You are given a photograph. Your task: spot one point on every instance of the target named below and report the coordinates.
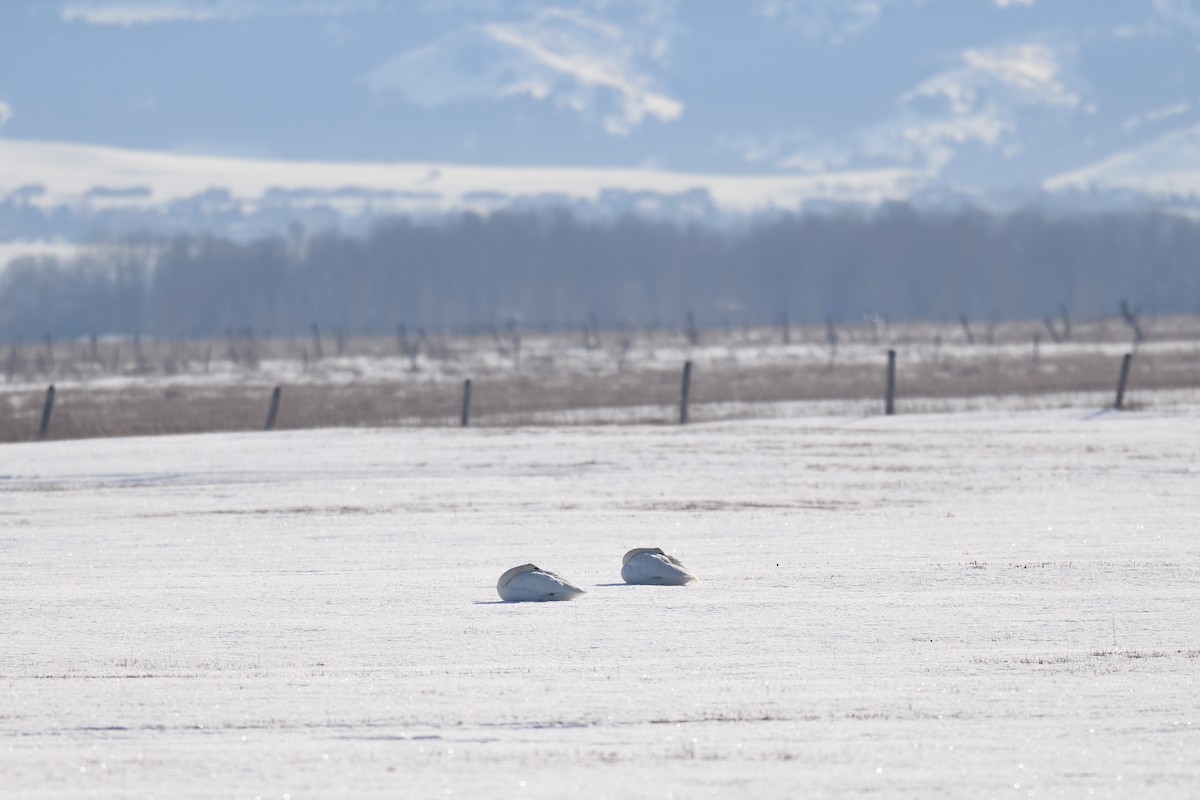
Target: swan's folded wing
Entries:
(657, 569)
(537, 585)
(637, 551)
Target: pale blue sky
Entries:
(978, 93)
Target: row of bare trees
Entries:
(548, 271)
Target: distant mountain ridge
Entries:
(335, 113)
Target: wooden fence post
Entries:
(1121, 383)
(1130, 317)
(1054, 335)
(466, 403)
(231, 348)
(47, 411)
(318, 351)
(684, 392)
(831, 339)
(890, 402)
(966, 326)
(693, 335)
(274, 411)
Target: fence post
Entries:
(1121, 383)
(274, 411)
(1054, 335)
(684, 392)
(466, 403)
(47, 411)
(966, 326)
(318, 351)
(890, 403)
(693, 335)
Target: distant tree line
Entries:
(553, 271)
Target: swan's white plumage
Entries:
(650, 565)
(530, 583)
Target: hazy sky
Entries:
(978, 92)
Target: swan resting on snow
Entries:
(650, 565)
(530, 583)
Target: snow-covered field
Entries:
(985, 604)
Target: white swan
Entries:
(530, 583)
(650, 565)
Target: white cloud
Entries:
(1019, 75)
(815, 160)
(561, 51)
(933, 143)
(130, 15)
(791, 151)
(1129, 31)
(584, 64)
(1031, 68)
(1170, 16)
(156, 12)
(1014, 3)
(6, 113)
(979, 102)
(1130, 124)
(1165, 167)
(759, 150)
(1179, 12)
(832, 21)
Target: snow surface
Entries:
(984, 604)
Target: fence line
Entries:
(684, 410)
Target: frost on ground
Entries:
(984, 604)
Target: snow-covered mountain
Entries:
(243, 116)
